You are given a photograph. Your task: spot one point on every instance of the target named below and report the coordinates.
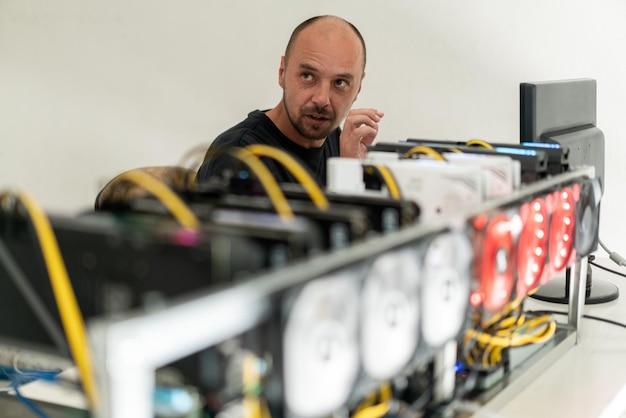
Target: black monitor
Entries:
(563, 112)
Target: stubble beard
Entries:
(300, 123)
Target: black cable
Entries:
(420, 403)
(425, 402)
(31, 296)
(596, 318)
(607, 269)
(608, 321)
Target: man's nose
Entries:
(321, 95)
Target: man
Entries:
(320, 74)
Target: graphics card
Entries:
(438, 188)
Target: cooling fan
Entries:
(320, 345)
(445, 287)
(495, 243)
(562, 209)
(532, 246)
(390, 315)
(588, 216)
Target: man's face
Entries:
(321, 79)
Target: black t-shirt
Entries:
(257, 128)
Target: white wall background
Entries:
(90, 88)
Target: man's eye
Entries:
(341, 84)
(307, 76)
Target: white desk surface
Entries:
(588, 380)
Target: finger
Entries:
(374, 114)
(366, 133)
(367, 140)
(359, 121)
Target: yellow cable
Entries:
(304, 178)
(507, 309)
(265, 409)
(385, 392)
(368, 403)
(508, 328)
(67, 305)
(531, 292)
(263, 174)
(375, 411)
(493, 354)
(486, 357)
(269, 183)
(479, 142)
(250, 382)
(511, 323)
(516, 338)
(250, 377)
(254, 405)
(170, 199)
(390, 181)
(421, 149)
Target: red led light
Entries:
(476, 298)
(562, 228)
(532, 249)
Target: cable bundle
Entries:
(483, 345)
(18, 377)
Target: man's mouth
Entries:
(318, 118)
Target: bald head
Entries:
(329, 27)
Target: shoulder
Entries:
(250, 130)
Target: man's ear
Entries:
(281, 72)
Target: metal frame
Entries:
(129, 348)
